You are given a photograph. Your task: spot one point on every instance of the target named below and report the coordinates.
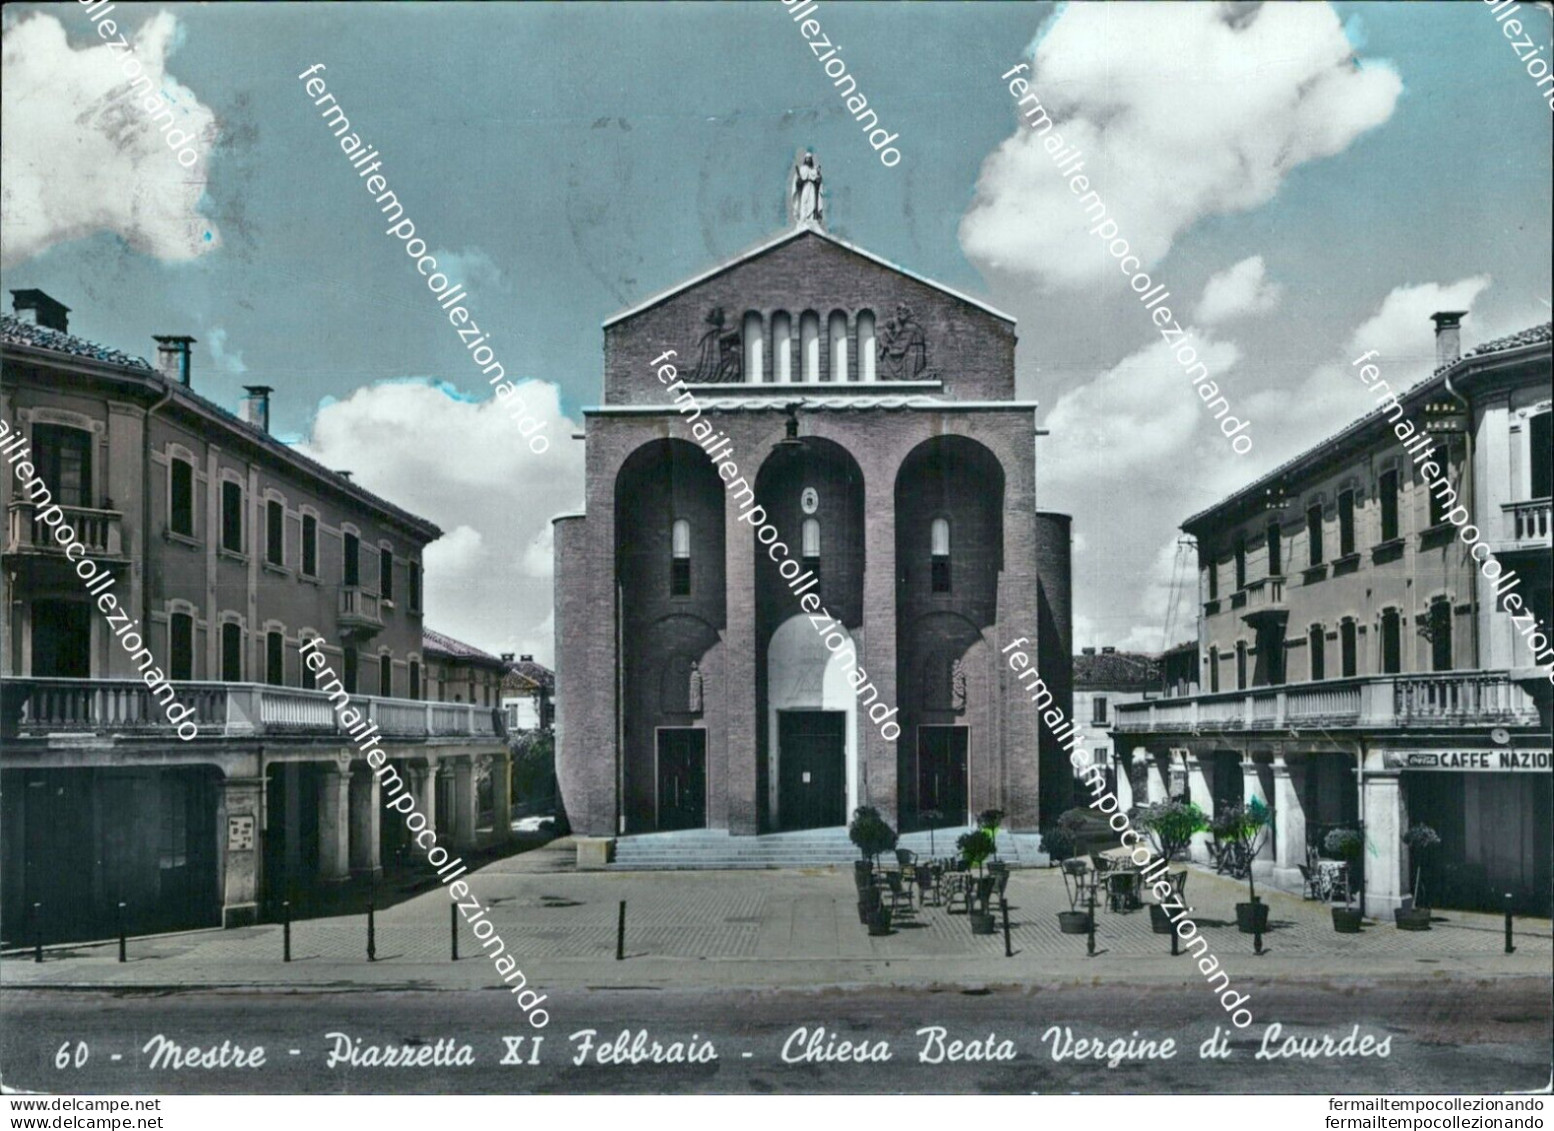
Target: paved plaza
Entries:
(776, 928)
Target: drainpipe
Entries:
(1359, 778)
(620, 713)
(145, 509)
(1467, 479)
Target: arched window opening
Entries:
(810, 545)
(809, 346)
(755, 349)
(836, 330)
(939, 547)
(866, 345)
(680, 559)
(782, 347)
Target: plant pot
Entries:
(1159, 919)
(1346, 920)
(1412, 918)
(862, 872)
(879, 921)
(1252, 918)
(981, 923)
(868, 902)
(1074, 922)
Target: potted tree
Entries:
(1419, 838)
(975, 847)
(1346, 845)
(1171, 826)
(1244, 830)
(1074, 921)
(870, 832)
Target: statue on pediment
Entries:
(806, 202)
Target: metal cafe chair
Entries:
(899, 892)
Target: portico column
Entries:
(334, 822)
(877, 650)
(502, 796)
(366, 815)
(240, 848)
(1257, 782)
(463, 804)
(739, 662)
(1289, 823)
(1381, 807)
(423, 783)
(1199, 793)
(1156, 784)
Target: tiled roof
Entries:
(1115, 669)
(16, 332)
(1531, 336)
(537, 674)
(434, 643)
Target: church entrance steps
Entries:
(709, 849)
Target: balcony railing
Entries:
(100, 532)
(1438, 699)
(34, 708)
(1526, 525)
(360, 609)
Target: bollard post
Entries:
(453, 930)
(1008, 950)
(372, 934)
(285, 930)
(120, 916)
(1090, 941)
(620, 934)
(1508, 947)
(1174, 940)
(37, 932)
(1257, 930)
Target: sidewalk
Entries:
(795, 929)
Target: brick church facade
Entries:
(871, 413)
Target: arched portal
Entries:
(812, 726)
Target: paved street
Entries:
(1444, 1037)
(743, 959)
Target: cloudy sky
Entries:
(1310, 181)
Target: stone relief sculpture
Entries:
(693, 690)
(718, 353)
(807, 204)
(957, 686)
(903, 348)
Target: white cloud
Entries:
(230, 361)
(1401, 329)
(1236, 291)
(463, 465)
(81, 154)
(1180, 111)
(472, 267)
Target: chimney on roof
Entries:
(507, 657)
(1108, 650)
(1448, 336)
(256, 406)
(343, 474)
(172, 356)
(1088, 651)
(526, 658)
(38, 308)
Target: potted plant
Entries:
(1057, 843)
(1346, 845)
(1419, 838)
(1171, 826)
(870, 832)
(1074, 921)
(975, 847)
(1245, 829)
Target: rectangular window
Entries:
(415, 679)
(1346, 524)
(1388, 490)
(1349, 648)
(1275, 565)
(1240, 562)
(1318, 649)
(679, 577)
(1098, 710)
(414, 573)
(1391, 642)
(941, 573)
(232, 652)
(352, 574)
(386, 676)
(348, 664)
(386, 574)
(180, 515)
(305, 675)
(275, 658)
(309, 546)
(1213, 670)
(1440, 635)
(1213, 580)
(63, 458)
(1437, 505)
(180, 647)
(1541, 447)
(1240, 666)
(232, 516)
(1314, 533)
(275, 532)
